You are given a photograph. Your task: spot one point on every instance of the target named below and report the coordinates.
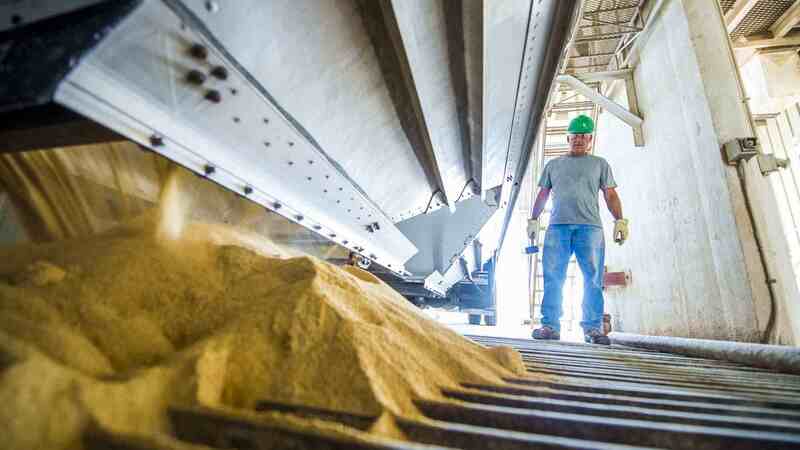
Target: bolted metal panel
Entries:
(241, 139)
(505, 24)
(443, 236)
(317, 60)
(546, 38)
(424, 29)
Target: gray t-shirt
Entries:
(575, 182)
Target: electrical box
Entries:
(741, 149)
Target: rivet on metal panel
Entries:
(267, 144)
(16, 19)
(310, 161)
(332, 235)
(372, 256)
(308, 178)
(298, 217)
(196, 77)
(213, 96)
(344, 242)
(317, 227)
(209, 169)
(212, 6)
(248, 190)
(236, 120)
(276, 205)
(291, 144)
(234, 91)
(370, 229)
(198, 51)
(291, 163)
(156, 140)
(324, 191)
(219, 72)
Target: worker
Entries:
(575, 227)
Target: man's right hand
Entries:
(533, 229)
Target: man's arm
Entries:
(541, 200)
(613, 202)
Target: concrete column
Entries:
(695, 266)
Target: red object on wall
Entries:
(615, 279)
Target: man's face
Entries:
(579, 144)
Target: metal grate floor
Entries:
(578, 396)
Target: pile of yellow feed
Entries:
(115, 328)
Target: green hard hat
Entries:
(582, 124)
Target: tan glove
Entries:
(533, 229)
(621, 231)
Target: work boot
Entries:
(594, 336)
(546, 333)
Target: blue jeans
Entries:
(588, 244)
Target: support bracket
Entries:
(632, 117)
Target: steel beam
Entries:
(606, 429)
(616, 387)
(477, 437)
(382, 25)
(594, 77)
(791, 39)
(610, 10)
(435, 72)
(787, 21)
(634, 120)
(738, 12)
(596, 55)
(467, 46)
(631, 399)
(544, 51)
(627, 412)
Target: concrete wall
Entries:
(772, 83)
(695, 267)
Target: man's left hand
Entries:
(621, 231)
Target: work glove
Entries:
(621, 231)
(533, 229)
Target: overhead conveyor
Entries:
(369, 123)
